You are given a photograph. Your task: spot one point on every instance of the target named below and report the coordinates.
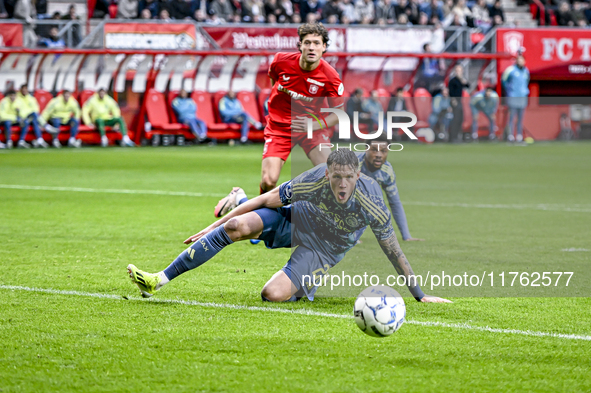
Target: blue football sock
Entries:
(240, 202)
(199, 252)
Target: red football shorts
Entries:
(280, 143)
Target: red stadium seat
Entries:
(410, 106)
(422, 104)
(384, 96)
(249, 103)
(159, 118)
(43, 97)
(85, 95)
(206, 112)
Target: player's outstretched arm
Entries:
(392, 249)
(270, 199)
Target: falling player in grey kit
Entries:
(322, 213)
(374, 164)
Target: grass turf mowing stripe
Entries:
(299, 312)
(542, 207)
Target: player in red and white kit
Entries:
(300, 80)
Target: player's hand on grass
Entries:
(414, 239)
(434, 299)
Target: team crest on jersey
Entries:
(351, 221)
(313, 89)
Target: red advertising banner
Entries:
(11, 35)
(149, 36)
(271, 38)
(553, 53)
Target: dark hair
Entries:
(313, 28)
(10, 91)
(64, 91)
(399, 90)
(101, 89)
(343, 157)
(24, 85)
(425, 47)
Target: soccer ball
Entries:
(379, 311)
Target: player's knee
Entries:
(274, 294)
(268, 182)
(232, 225)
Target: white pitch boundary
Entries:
(296, 311)
(110, 190)
(543, 207)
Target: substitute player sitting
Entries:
(299, 80)
(323, 212)
(374, 164)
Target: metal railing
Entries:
(71, 31)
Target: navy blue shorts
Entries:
(306, 266)
(276, 226)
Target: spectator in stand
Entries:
(356, 104)
(101, 110)
(442, 112)
(487, 102)
(579, 15)
(460, 15)
(447, 6)
(9, 116)
(23, 9)
(431, 72)
(63, 110)
(423, 19)
(516, 81)
(223, 9)
(481, 16)
(272, 7)
(456, 87)
(180, 9)
(4, 13)
(152, 5)
(72, 15)
(564, 16)
(54, 41)
(309, 7)
(231, 111)
(101, 9)
(386, 10)
(146, 14)
(366, 10)
(185, 109)
(397, 102)
(412, 11)
(253, 11)
(432, 8)
(164, 15)
(296, 18)
(349, 14)
(403, 20)
(28, 111)
(127, 9)
(497, 14)
(331, 8)
(374, 107)
(287, 7)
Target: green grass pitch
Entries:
(76, 232)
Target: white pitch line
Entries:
(110, 191)
(575, 249)
(543, 207)
(297, 311)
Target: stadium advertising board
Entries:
(11, 35)
(150, 36)
(550, 53)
